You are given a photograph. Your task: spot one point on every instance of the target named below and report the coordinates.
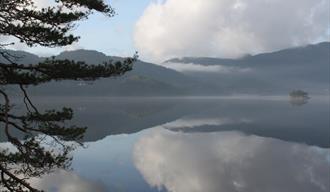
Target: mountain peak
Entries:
(81, 52)
(88, 56)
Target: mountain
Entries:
(312, 52)
(305, 68)
(20, 57)
(145, 79)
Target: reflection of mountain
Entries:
(275, 119)
(111, 116)
(229, 161)
(278, 119)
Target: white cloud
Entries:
(231, 162)
(228, 28)
(192, 67)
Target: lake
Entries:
(209, 144)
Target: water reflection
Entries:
(298, 101)
(189, 122)
(267, 118)
(63, 181)
(43, 145)
(23, 161)
(191, 145)
(229, 161)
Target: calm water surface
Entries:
(197, 144)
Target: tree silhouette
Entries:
(299, 94)
(298, 97)
(48, 140)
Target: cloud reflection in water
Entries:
(189, 122)
(63, 181)
(229, 161)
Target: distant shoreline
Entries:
(78, 98)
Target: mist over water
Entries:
(220, 96)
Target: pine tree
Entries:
(48, 27)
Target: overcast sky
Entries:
(162, 29)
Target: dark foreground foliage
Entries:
(48, 139)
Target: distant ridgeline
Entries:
(306, 68)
